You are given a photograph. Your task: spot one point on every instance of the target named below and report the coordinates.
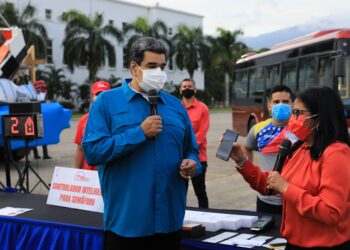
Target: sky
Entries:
(256, 17)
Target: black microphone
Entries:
(281, 158)
(153, 100)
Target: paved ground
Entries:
(226, 188)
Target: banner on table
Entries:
(76, 188)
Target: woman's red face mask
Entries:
(296, 128)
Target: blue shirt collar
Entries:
(130, 93)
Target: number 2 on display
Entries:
(14, 125)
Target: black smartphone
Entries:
(226, 145)
(263, 223)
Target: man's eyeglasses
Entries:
(297, 112)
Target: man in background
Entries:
(261, 138)
(144, 158)
(80, 161)
(199, 116)
(41, 91)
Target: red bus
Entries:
(317, 59)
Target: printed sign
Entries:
(76, 188)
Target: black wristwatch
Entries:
(240, 164)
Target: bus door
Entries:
(256, 95)
(327, 76)
(240, 100)
(248, 97)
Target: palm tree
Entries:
(114, 81)
(55, 79)
(68, 89)
(34, 33)
(140, 27)
(189, 48)
(225, 51)
(261, 50)
(86, 42)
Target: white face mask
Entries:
(152, 79)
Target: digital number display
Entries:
(22, 125)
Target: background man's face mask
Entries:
(281, 112)
(152, 79)
(187, 93)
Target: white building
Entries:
(116, 12)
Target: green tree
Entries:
(34, 33)
(141, 27)
(84, 97)
(86, 42)
(214, 83)
(55, 80)
(225, 51)
(114, 81)
(68, 87)
(261, 50)
(189, 48)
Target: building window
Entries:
(124, 25)
(48, 13)
(49, 51)
(125, 58)
(171, 63)
(111, 22)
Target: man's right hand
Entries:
(152, 125)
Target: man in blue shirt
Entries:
(143, 160)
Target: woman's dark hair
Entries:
(326, 103)
(143, 44)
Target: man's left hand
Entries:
(188, 168)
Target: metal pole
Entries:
(7, 162)
(4, 21)
(27, 164)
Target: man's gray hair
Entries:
(188, 80)
(143, 44)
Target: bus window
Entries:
(273, 76)
(344, 86)
(241, 84)
(306, 72)
(289, 74)
(256, 83)
(344, 91)
(325, 72)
